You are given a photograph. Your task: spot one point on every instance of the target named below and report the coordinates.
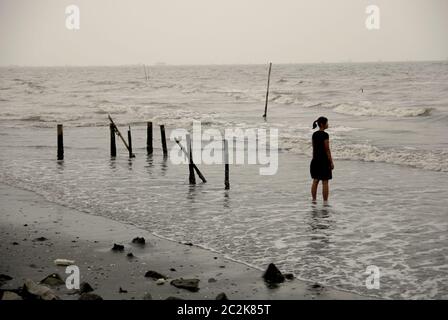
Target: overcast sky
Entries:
(33, 32)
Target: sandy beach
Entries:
(27, 218)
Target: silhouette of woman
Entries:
(322, 163)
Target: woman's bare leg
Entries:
(325, 190)
(314, 189)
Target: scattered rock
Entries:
(121, 290)
(155, 275)
(9, 295)
(41, 239)
(53, 279)
(173, 298)
(188, 244)
(25, 225)
(139, 240)
(211, 280)
(85, 287)
(273, 275)
(316, 286)
(15, 243)
(172, 269)
(118, 248)
(36, 291)
(4, 277)
(188, 284)
(221, 296)
(147, 296)
(160, 281)
(222, 267)
(130, 255)
(289, 276)
(90, 296)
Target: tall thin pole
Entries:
(131, 155)
(163, 138)
(192, 177)
(60, 142)
(267, 92)
(113, 146)
(149, 138)
(226, 165)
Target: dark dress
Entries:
(320, 167)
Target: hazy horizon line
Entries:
(163, 64)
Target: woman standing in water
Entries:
(322, 163)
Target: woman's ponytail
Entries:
(319, 122)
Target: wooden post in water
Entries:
(113, 146)
(267, 92)
(131, 155)
(201, 176)
(163, 138)
(192, 177)
(119, 133)
(60, 142)
(226, 164)
(149, 137)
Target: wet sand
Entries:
(88, 239)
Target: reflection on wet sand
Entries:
(320, 225)
(164, 166)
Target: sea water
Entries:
(387, 132)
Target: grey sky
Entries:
(33, 32)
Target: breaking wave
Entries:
(368, 109)
(434, 160)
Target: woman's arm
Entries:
(327, 150)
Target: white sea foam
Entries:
(368, 109)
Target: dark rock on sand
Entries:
(211, 280)
(130, 255)
(41, 239)
(221, 296)
(4, 278)
(53, 279)
(316, 286)
(90, 296)
(118, 248)
(121, 290)
(155, 275)
(32, 290)
(85, 287)
(147, 296)
(172, 269)
(188, 284)
(289, 276)
(139, 240)
(173, 298)
(15, 243)
(273, 275)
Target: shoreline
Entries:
(70, 234)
